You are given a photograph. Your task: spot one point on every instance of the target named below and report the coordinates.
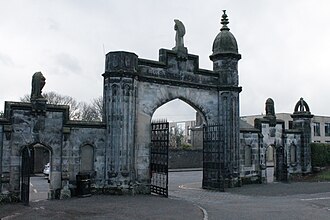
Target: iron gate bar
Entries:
(25, 184)
(159, 158)
(213, 158)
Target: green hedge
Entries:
(320, 154)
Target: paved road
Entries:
(38, 188)
(266, 201)
(187, 201)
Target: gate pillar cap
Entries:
(225, 43)
(121, 61)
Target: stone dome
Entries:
(225, 41)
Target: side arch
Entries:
(28, 161)
(36, 157)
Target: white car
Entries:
(46, 170)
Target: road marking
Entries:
(184, 186)
(206, 216)
(11, 216)
(314, 199)
(31, 184)
(35, 191)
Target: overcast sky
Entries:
(284, 44)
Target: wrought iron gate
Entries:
(213, 159)
(281, 171)
(25, 174)
(159, 158)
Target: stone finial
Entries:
(225, 42)
(301, 110)
(270, 112)
(38, 82)
(301, 107)
(224, 21)
(270, 108)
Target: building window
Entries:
(248, 156)
(290, 124)
(327, 129)
(316, 129)
(293, 153)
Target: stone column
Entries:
(225, 65)
(302, 121)
(119, 100)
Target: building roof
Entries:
(244, 126)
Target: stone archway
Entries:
(32, 158)
(41, 155)
(134, 88)
(165, 148)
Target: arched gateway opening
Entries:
(177, 143)
(35, 172)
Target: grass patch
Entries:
(323, 175)
(317, 176)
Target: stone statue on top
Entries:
(38, 82)
(179, 44)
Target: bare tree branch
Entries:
(78, 110)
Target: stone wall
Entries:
(293, 139)
(197, 137)
(179, 158)
(51, 131)
(76, 137)
(250, 166)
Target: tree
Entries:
(78, 110)
(97, 104)
(89, 113)
(176, 137)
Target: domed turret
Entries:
(225, 42)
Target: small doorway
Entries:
(35, 173)
(270, 163)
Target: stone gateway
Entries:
(115, 153)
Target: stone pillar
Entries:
(119, 100)
(302, 118)
(225, 65)
(1, 160)
(225, 59)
